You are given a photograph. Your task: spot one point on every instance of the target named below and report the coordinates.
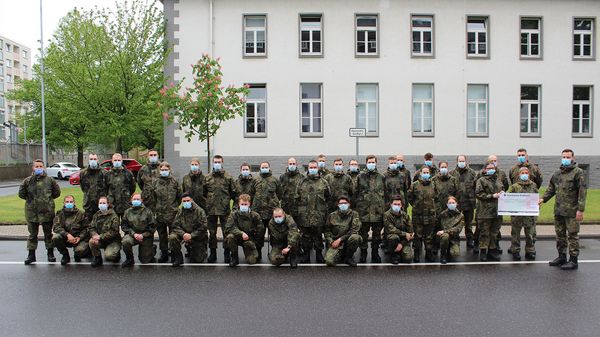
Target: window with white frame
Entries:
(583, 38)
(2, 102)
(530, 110)
(8, 63)
(311, 112)
(1, 85)
(25, 54)
(255, 35)
(582, 110)
(477, 110)
(9, 79)
(311, 34)
(256, 111)
(422, 35)
(422, 109)
(477, 36)
(367, 108)
(25, 68)
(531, 41)
(1, 70)
(9, 47)
(366, 35)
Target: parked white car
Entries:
(62, 170)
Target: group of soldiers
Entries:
(329, 211)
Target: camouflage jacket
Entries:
(146, 174)
(422, 197)
(568, 184)
(267, 191)
(289, 181)
(370, 199)
(192, 221)
(163, 196)
(433, 170)
(395, 184)
(194, 185)
(485, 188)
(220, 189)
(523, 187)
(39, 193)
(139, 220)
(397, 223)
(340, 225)
(465, 183)
(323, 172)
(245, 185)
(444, 186)
(501, 176)
(71, 222)
(106, 225)
(249, 223)
(407, 177)
(451, 222)
(285, 233)
(312, 196)
(92, 185)
(535, 174)
(119, 186)
(340, 184)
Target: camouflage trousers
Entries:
(60, 243)
(163, 229)
(375, 228)
(515, 236)
(347, 248)
(147, 249)
(260, 236)
(406, 254)
(34, 228)
(213, 222)
(311, 237)
(567, 235)
(468, 215)
(423, 226)
(449, 243)
(276, 257)
(198, 245)
(488, 232)
(112, 249)
(249, 247)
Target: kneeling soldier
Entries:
(342, 234)
(400, 231)
(283, 238)
(71, 230)
(451, 223)
(104, 233)
(191, 228)
(243, 225)
(139, 226)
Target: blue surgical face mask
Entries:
(153, 159)
(521, 159)
(264, 170)
(92, 163)
(69, 205)
(426, 176)
(524, 177)
(292, 168)
(353, 168)
(103, 207)
(187, 204)
(444, 171)
(393, 167)
(136, 203)
(371, 166)
(164, 174)
(461, 164)
(400, 164)
(338, 168)
(246, 173)
(117, 164)
(313, 171)
(565, 162)
(396, 208)
(38, 171)
(244, 208)
(194, 168)
(217, 167)
(490, 172)
(451, 207)
(428, 162)
(321, 164)
(343, 207)
(278, 219)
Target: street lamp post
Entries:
(44, 155)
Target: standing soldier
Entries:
(267, 192)
(71, 230)
(422, 197)
(220, 189)
(524, 185)
(149, 171)
(353, 170)
(245, 181)
(91, 181)
(487, 190)
(448, 231)
(190, 228)
(322, 163)
(339, 183)
(568, 184)
(400, 163)
(535, 174)
(104, 233)
(399, 231)
(139, 226)
(163, 195)
(312, 195)
(445, 185)
(283, 238)
(341, 234)
(193, 183)
(370, 203)
(242, 228)
(39, 192)
(119, 184)
(289, 181)
(395, 182)
(466, 178)
(427, 162)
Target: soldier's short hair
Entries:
(164, 164)
(428, 156)
(443, 162)
(392, 158)
(521, 150)
(38, 161)
(524, 168)
(117, 154)
(371, 156)
(461, 155)
(353, 160)
(195, 160)
(186, 195)
(136, 193)
(265, 162)
(312, 162)
(218, 156)
(152, 150)
(343, 197)
(321, 156)
(338, 160)
(103, 197)
(244, 164)
(568, 150)
(397, 197)
(451, 197)
(278, 210)
(69, 196)
(245, 197)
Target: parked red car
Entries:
(130, 164)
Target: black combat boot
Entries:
(516, 256)
(293, 259)
(395, 258)
(559, 261)
(77, 257)
(66, 258)
(227, 255)
(128, 261)
(319, 256)
(572, 264)
(493, 255)
(417, 257)
(97, 261)
(177, 259)
(234, 261)
(375, 258)
(483, 255)
(164, 256)
(259, 251)
(363, 256)
(212, 258)
(530, 256)
(51, 257)
(30, 257)
(188, 249)
(443, 257)
(349, 260)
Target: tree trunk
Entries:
(119, 145)
(207, 146)
(80, 155)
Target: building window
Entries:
(1, 87)
(9, 48)
(9, 79)
(583, 38)
(311, 35)
(422, 35)
(256, 111)
(531, 41)
(255, 35)
(8, 63)
(477, 37)
(477, 110)
(367, 108)
(25, 54)
(422, 109)
(25, 68)
(1, 70)
(2, 102)
(366, 35)
(311, 112)
(530, 110)
(582, 110)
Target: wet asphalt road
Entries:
(430, 300)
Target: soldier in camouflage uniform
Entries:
(399, 231)
(503, 179)
(444, 185)
(524, 185)
(370, 204)
(400, 164)
(245, 181)
(466, 178)
(427, 162)
(139, 225)
(422, 197)
(340, 184)
(488, 189)
(149, 171)
(119, 185)
(242, 228)
(267, 192)
(448, 231)
(193, 183)
(322, 163)
(39, 192)
(283, 238)
(312, 196)
(535, 175)
(568, 184)
(220, 189)
(289, 181)
(104, 233)
(353, 172)
(163, 195)
(342, 234)
(189, 227)
(71, 230)
(395, 182)
(91, 181)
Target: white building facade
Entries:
(15, 65)
(440, 76)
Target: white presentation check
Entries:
(519, 204)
